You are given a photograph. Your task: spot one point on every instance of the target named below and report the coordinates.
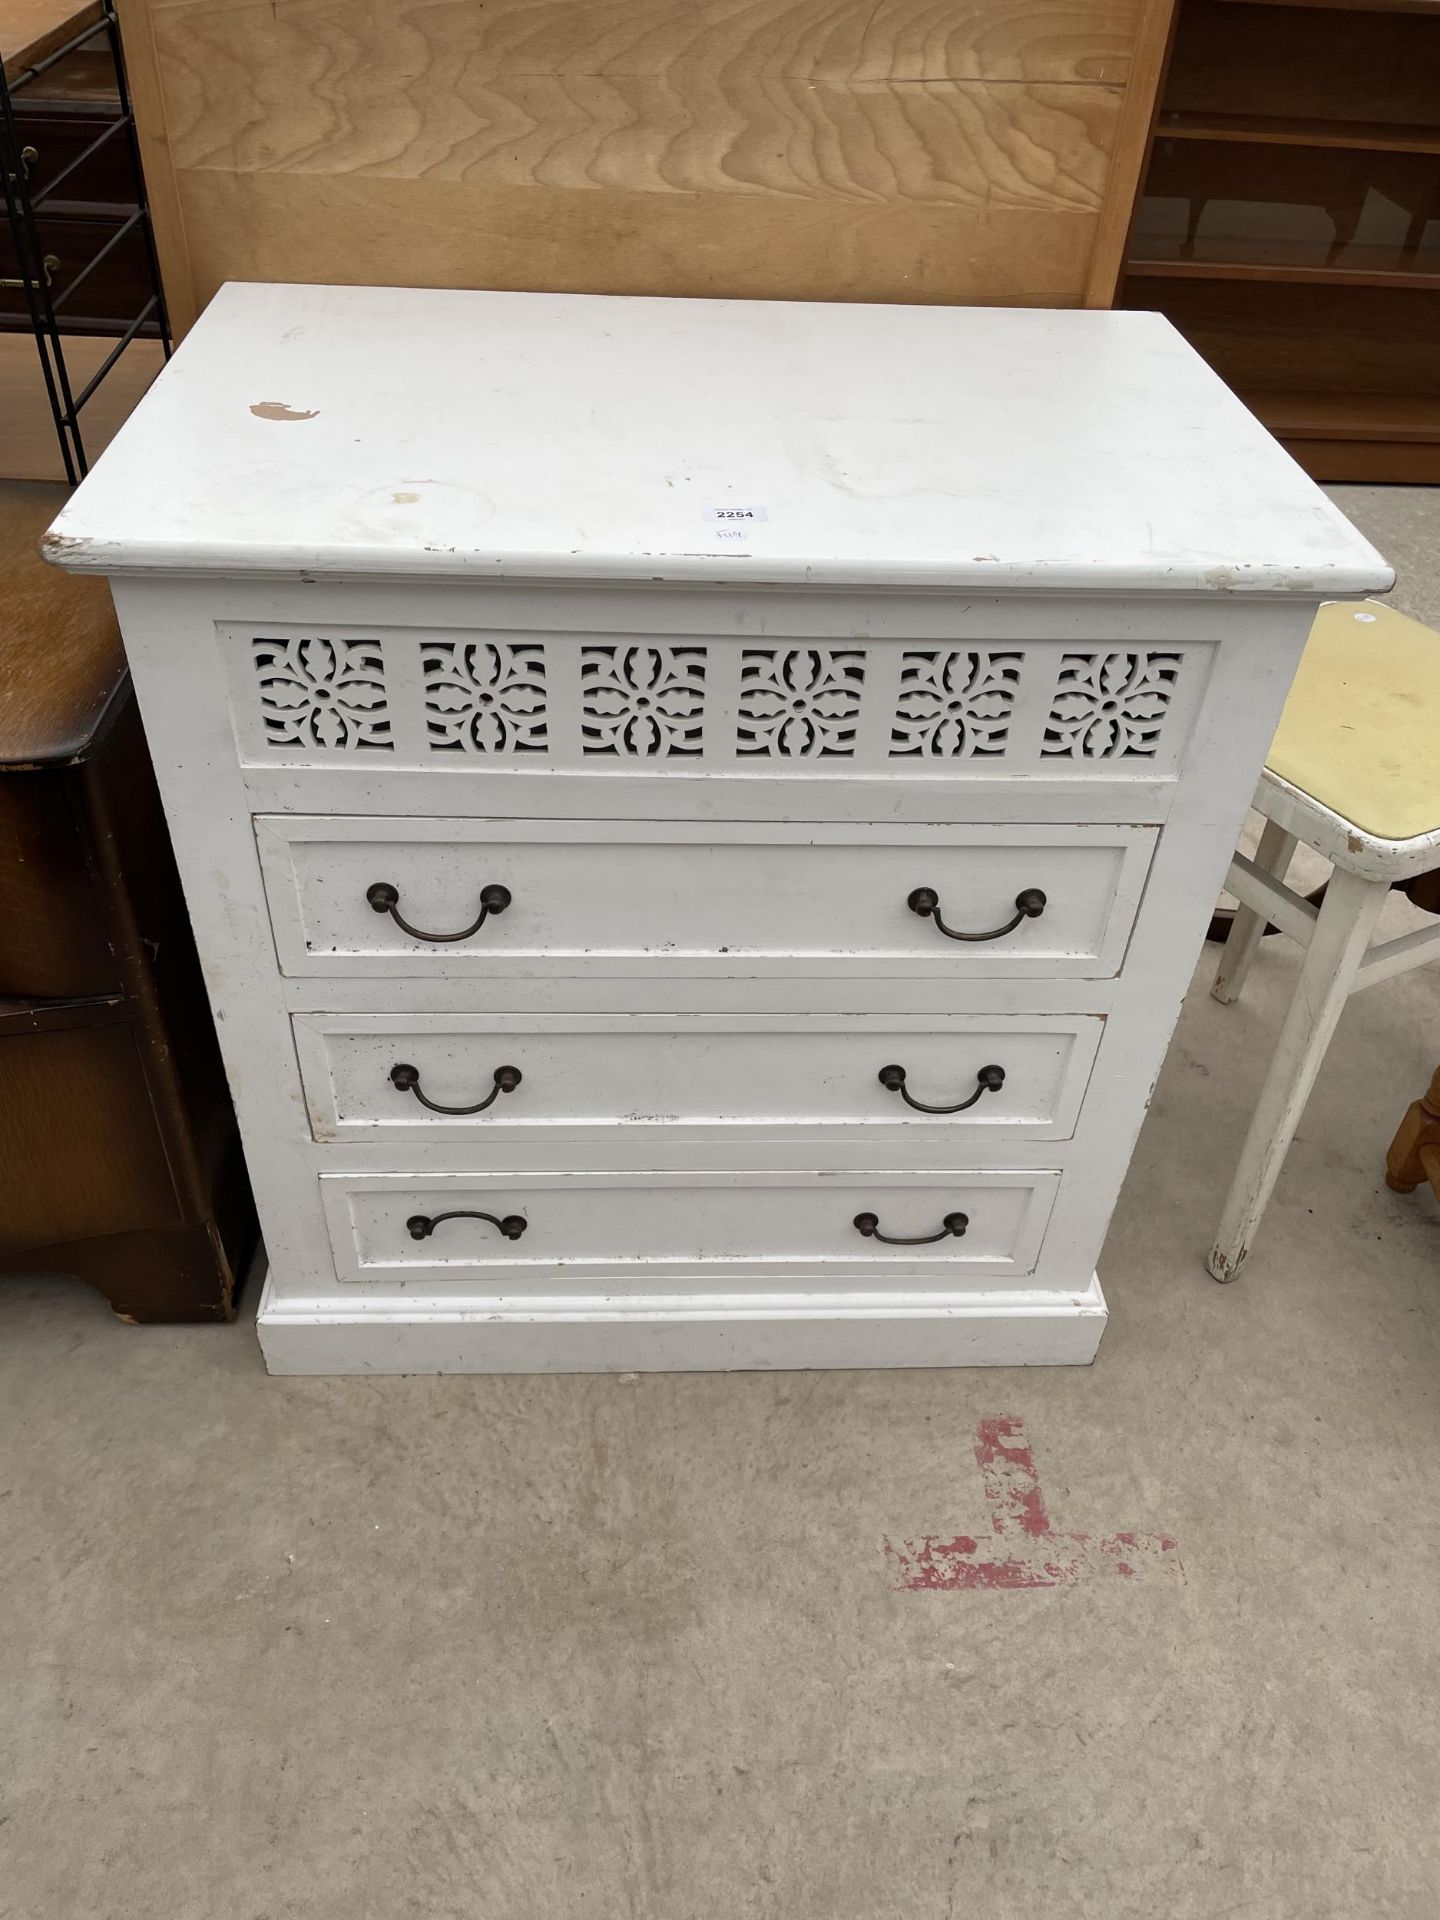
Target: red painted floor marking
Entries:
(1037, 1556)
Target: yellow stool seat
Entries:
(1361, 730)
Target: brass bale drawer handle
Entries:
(407, 1079)
(51, 263)
(385, 898)
(987, 1080)
(869, 1225)
(1029, 905)
(420, 1226)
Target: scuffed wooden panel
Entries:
(821, 149)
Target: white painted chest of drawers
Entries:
(698, 816)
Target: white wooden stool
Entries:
(1354, 772)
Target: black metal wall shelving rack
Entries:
(49, 307)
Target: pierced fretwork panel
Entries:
(1111, 706)
(626, 704)
(642, 702)
(325, 694)
(800, 703)
(955, 704)
(485, 696)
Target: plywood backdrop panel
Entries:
(810, 149)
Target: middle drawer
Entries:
(561, 1076)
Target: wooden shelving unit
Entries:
(1289, 222)
(77, 256)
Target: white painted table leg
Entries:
(1342, 933)
(1248, 927)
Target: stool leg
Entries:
(1342, 933)
(1248, 926)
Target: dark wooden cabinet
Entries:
(1290, 221)
(119, 1159)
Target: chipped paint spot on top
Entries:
(277, 410)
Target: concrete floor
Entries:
(526, 1649)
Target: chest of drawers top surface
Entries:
(373, 432)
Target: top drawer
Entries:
(626, 899)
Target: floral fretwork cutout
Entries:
(1110, 706)
(954, 705)
(323, 693)
(645, 701)
(485, 696)
(799, 703)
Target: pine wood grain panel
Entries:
(162, 189)
(369, 49)
(332, 229)
(1154, 37)
(820, 149)
(973, 145)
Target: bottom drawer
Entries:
(670, 1232)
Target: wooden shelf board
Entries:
(1347, 416)
(1347, 6)
(31, 29)
(1280, 261)
(1255, 129)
